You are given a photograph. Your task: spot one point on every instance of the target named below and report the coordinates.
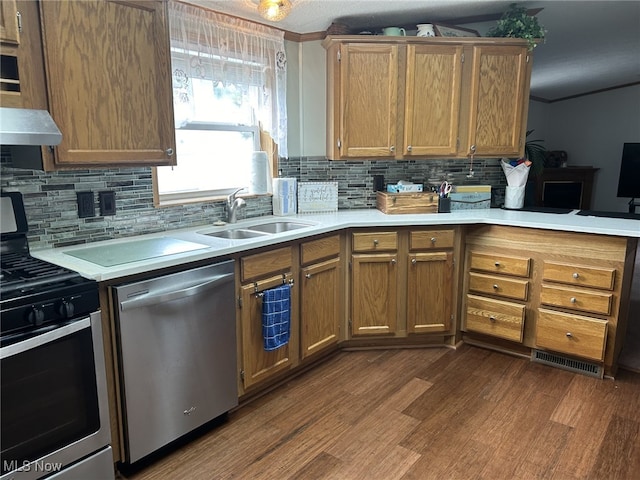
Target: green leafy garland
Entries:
(515, 22)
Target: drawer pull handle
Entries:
(495, 286)
(573, 300)
(414, 261)
(497, 264)
(492, 319)
(308, 275)
(569, 335)
(375, 241)
(433, 239)
(576, 275)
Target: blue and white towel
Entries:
(276, 316)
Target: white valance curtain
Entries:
(232, 53)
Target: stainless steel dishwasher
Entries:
(177, 348)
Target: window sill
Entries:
(216, 198)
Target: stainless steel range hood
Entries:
(21, 126)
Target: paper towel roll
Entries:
(260, 178)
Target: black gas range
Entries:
(35, 294)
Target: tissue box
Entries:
(284, 196)
(470, 197)
(404, 188)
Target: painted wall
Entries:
(592, 130)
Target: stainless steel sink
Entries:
(278, 227)
(236, 234)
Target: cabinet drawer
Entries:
(595, 302)
(495, 317)
(376, 241)
(572, 334)
(322, 248)
(431, 239)
(265, 263)
(496, 285)
(597, 277)
(498, 263)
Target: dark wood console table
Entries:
(569, 187)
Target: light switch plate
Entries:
(86, 205)
(107, 203)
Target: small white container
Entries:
(514, 197)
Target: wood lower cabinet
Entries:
(108, 70)
(548, 290)
(321, 295)
(402, 282)
(259, 272)
(430, 275)
(495, 303)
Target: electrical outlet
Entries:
(107, 203)
(86, 205)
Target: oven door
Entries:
(54, 399)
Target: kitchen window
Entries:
(229, 80)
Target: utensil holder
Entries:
(444, 205)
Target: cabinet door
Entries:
(259, 364)
(374, 283)
(320, 306)
(499, 85)
(429, 292)
(368, 100)
(432, 101)
(9, 32)
(109, 82)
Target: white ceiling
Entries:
(590, 45)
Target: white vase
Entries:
(426, 30)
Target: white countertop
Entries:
(323, 223)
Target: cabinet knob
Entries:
(473, 149)
(572, 299)
(495, 286)
(492, 319)
(393, 261)
(569, 334)
(169, 152)
(576, 275)
(392, 148)
(433, 239)
(409, 148)
(375, 241)
(414, 261)
(307, 275)
(497, 264)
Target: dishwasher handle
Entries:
(145, 300)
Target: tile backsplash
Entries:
(52, 214)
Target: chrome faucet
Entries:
(233, 205)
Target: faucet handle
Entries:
(231, 197)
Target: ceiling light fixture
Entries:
(274, 10)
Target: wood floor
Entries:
(423, 414)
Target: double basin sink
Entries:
(259, 230)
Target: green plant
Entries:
(536, 153)
(515, 22)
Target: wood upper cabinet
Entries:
(365, 111)
(499, 100)
(408, 97)
(9, 22)
(432, 100)
(109, 82)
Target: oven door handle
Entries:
(146, 300)
(44, 338)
